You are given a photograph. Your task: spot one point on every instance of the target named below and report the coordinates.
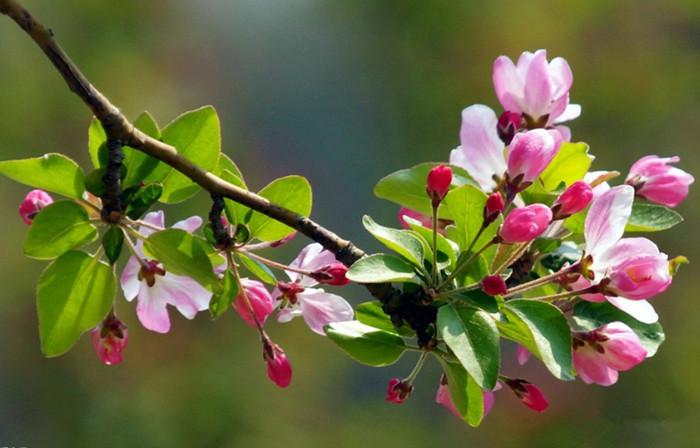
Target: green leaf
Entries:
(291, 192)
(382, 268)
(569, 165)
(258, 269)
(184, 254)
(112, 242)
(400, 241)
(472, 336)
(52, 172)
(647, 217)
(466, 395)
(235, 212)
(366, 344)
(143, 199)
(407, 187)
(445, 246)
(466, 205)
(588, 316)
(60, 227)
(542, 329)
(197, 137)
(74, 294)
(220, 303)
(226, 164)
(371, 313)
(97, 143)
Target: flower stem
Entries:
(274, 264)
(568, 294)
(416, 370)
(513, 257)
(246, 300)
(540, 281)
(132, 248)
(435, 230)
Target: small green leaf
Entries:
(371, 313)
(647, 217)
(400, 241)
(445, 246)
(112, 242)
(382, 268)
(472, 336)
(226, 164)
(258, 269)
(184, 254)
(588, 316)
(60, 227)
(53, 172)
(220, 303)
(407, 187)
(569, 165)
(74, 294)
(143, 199)
(466, 206)
(366, 344)
(291, 192)
(97, 143)
(542, 329)
(466, 395)
(235, 212)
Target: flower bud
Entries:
(528, 155)
(573, 200)
(109, 339)
(525, 223)
(654, 179)
(284, 240)
(279, 370)
(332, 274)
(33, 203)
(508, 125)
(494, 285)
(494, 207)
(529, 394)
(260, 300)
(438, 183)
(398, 390)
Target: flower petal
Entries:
(321, 308)
(639, 309)
(190, 224)
(607, 218)
(185, 294)
(507, 83)
(152, 311)
(538, 86)
(131, 285)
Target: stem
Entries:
(540, 281)
(132, 248)
(419, 365)
(275, 264)
(567, 294)
(435, 230)
(513, 257)
(142, 223)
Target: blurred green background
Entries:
(343, 92)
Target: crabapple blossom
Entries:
(525, 223)
(260, 300)
(398, 390)
(279, 369)
(529, 394)
(656, 180)
(529, 154)
(494, 207)
(573, 200)
(33, 203)
(109, 339)
(438, 182)
(509, 123)
(494, 285)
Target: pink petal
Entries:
(185, 294)
(508, 84)
(522, 355)
(311, 258)
(321, 308)
(131, 285)
(592, 369)
(639, 309)
(538, 86)
(152, 311)
(561, 76)
(571, 112)
(606, 220)
(190, 224)
(623, 349)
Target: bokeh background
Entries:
(343, 92)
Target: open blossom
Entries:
(260, 300)
(634, 267)
(525, 223)
(600, 354)
(656, 180)
(529, 394)
(156, 288)
(109, 339)
(279, 369)
(317, 307)
(535, 87)
(573, 200)
(32, 204)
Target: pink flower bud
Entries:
(260, 300)
(279, 370)
(508, 125)
(494, 285)
(109, 339)
(522, 355)
(640, 277)
(529, 154)
(600, 354)
(525, 223)
(573, 200)
(397, 391)
(529, 394)
(332, 274)
(439, 180)
(284, 240)
(33, 203)
(654, 179)
(494, 207)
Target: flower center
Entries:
(149, 270)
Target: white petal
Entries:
(321, 308)
(131, 285)
(639, 309)
(606, 220)
(189, 225)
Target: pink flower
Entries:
(332, 274)
(279, 369)
(260, 300)
(525, 223)
(494, 207)
(424, 220)
(32, 204)
(317, 307)
(522, 355)
(634, 267)
(438, 182)
(535, 87)
(529, 394)
(109, 339)
(573, 200)
(656, 180)
(509, 123)
(600, 354)
(529, 154)
(156, 288)
(596, 180)
(397, 391)
(494, 285)
(442, 397)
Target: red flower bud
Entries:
(508, 125)
(279, 370)
(109, 340)
(332, 274)
(573, 200)
(529, 394)
(494, 285)
(397, 391)
(494, 207)
(33, 203)
(439, 180)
